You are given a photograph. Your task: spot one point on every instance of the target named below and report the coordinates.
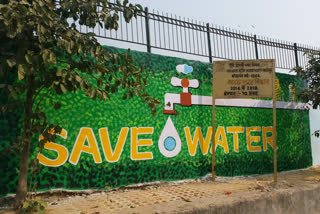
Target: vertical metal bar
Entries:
(227, 42)
(286, 56)
(218, 41)
(275, 52)
(155, 30)
(204, 41)
(131, 31)
(291, 56)
(213, 40)
(116, 33)
(252, 49)
(120, 27)
(224, 42)
(159, 29)
(279, 54)
(248, 45)
(137, 29)
(262, 47)
(245, 50)
(164, 31)
(142, 33)
(270, 49)
(300, 56)
(197, 37)
(243, 44)
(192, 28)
(282, 54)
(296, 54)
(221, 44)
(127, 31)
(147, 30)
(267, 49)
(286, 59)
(177, 34)
(285, 53)
(232, 48)
(304, 56)
(201, 41)
(168, 32)
(172, 32)
(209, 43)
(237, 46)
(181, 35)
(185, 34)
(256, 46)
(189, 36)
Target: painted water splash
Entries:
(169, 142)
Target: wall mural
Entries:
(118, 142)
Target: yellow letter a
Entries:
(92, 148)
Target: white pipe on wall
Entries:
(171, 99)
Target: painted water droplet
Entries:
(169, 141)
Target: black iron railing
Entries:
(172, 33)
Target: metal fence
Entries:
(167, 32)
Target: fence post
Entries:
(147, 30)
(209, 43)
(296, 54)
(256, 46)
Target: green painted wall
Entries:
(79, 111)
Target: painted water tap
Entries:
(184, 98)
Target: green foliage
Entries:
(312, 75)
(32, 205)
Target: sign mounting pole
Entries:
(213, 147)
(274, 130)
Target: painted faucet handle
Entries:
(185, 83)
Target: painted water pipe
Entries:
(187, 99)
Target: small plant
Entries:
(33, 205)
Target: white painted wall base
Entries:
(315, 142)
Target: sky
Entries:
(288, 20)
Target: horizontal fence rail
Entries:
(172, 33)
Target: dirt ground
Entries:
(173, 197)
